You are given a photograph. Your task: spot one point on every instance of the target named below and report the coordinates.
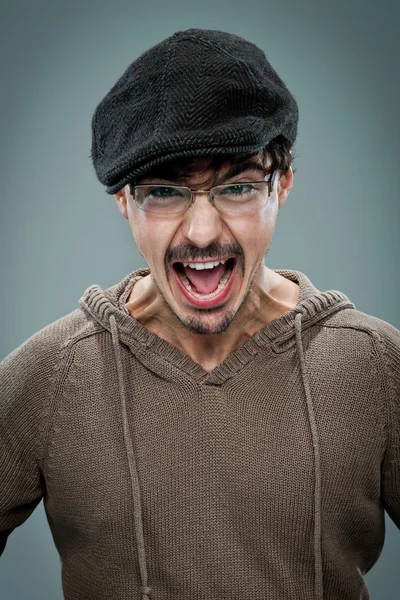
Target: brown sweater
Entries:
(265, 479)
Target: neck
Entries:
(268, 300)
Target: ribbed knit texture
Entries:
(264, 479)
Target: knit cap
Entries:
(197, 93)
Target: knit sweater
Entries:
(264, 479)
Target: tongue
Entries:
(206, 280)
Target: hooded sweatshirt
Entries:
(264, 479)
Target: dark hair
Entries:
(277, 155)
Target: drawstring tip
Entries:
(146, 591)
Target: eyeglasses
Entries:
(240, 197)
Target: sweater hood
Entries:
(106, 308)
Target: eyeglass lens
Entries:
(237, 197)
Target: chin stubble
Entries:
(196, 325)
(199, 326)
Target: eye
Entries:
(163, 192)
(237, 189)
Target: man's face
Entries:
(206, 300)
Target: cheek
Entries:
(141, 235)
(266, 222)
(152, 237)
(255, 233)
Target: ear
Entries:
(122, 202)
(284, 186)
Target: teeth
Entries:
(185, 281)
(225, 278)
(204, 265)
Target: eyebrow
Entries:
(242, 167)
(235, 169)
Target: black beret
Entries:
(199, 92)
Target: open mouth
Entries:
(205, 280)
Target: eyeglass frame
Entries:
(270, 182)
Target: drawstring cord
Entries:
(317, 494)
(146, 590)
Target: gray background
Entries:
(60, 232)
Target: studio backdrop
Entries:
(60, 232)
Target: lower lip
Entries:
(207, 302)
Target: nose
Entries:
(202, 223)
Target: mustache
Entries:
(184, 252)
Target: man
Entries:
(208, 428)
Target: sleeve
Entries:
(27, 377)
(390, 483)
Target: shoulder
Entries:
(32, 376)
(29, 375)
(357, 321)
(48, 343)
(360, 333)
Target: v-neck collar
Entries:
(277, 335)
